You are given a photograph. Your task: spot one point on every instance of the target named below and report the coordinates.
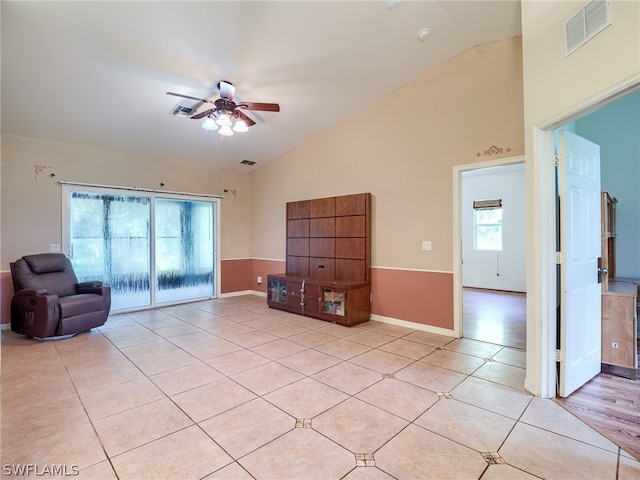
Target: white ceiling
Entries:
(97, 73)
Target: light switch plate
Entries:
(426, 245)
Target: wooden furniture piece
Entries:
(608, 235)
(620, 325)
(328, 263)
(619, 299)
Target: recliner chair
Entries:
(50, 302)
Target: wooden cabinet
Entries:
(608, 235)
(345, 303)
(619, 299)
(328, 261)
(620, 326)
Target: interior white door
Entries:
(580, 292)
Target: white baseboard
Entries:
(243, 292)
(416, 326)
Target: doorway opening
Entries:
(592, 402)
(490, 268)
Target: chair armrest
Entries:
(30, 292)
(97, 288)
(35, 312)
(89, 287)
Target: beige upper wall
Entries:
(554, 83)
(32, 202)
(402, 150)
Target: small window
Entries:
(488, 229)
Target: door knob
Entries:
(603, 271)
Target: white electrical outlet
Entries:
(614, 345)
(426, 245)
(259, 280)
(54, 247)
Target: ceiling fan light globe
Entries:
(240, 126)
(225, 131)
(209, 124)
(224, 120)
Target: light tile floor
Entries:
(229, 389)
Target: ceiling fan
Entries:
(227, 114)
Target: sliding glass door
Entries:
(151, 249)
(184, 249)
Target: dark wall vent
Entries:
(248, 162)
(182, 111)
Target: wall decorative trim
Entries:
(493, 150)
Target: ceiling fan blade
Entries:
(265, 107)
(190, 98)
(248, 120)
(203, 114)
(227, 90)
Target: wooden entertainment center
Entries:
(328, 264)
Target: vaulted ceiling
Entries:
(97, 73)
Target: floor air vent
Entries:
(594, 17)
(248, 162)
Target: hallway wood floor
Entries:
(495, 317)
(609, 403)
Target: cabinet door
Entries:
(294, 296)
(322, 207)
(351, 226)
(298, 228)
(351, 204)
(322, 268)
(619, 336)
(322, 247)
(334, 302)
(298, 247)
(277, 291)
(298, 209)
(298, 265)
(322, 227)
(350, 248)
(348, 270)
(312, 299)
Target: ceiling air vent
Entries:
(594, 17)
(248, 162)
(182, 111)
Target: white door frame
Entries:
(542, 332)
(457, 230)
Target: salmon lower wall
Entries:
(241, 275)
(235, 275)
(413, 296)
(420, 297)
